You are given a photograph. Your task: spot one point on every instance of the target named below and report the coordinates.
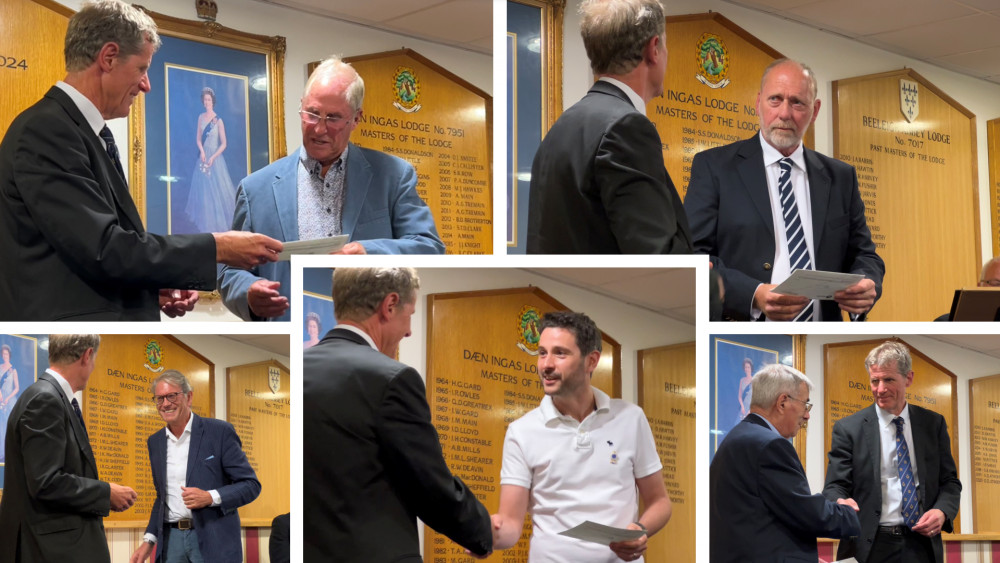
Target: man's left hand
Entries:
(930, 523)
(194, 498)
(630, 550)
(857, 299)
(351, 248)
(176, 302)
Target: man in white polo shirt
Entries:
(579, 456)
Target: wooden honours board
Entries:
(984, 422)
(481, 375)
(259, 407)
(667, 395)
(121, 415)
(914, 151)
(846, 387)
(709, 90)
(32, 33)
(441, 124)
(993, 144)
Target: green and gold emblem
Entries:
(406, 89)
(527, 329)
(154, 356)
(713, 61)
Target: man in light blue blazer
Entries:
(201, 476)
(328, 187)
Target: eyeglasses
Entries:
(808, 405)
(172, 398)
(990, 283)
(332, 121)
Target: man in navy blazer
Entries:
(328, 187)
(864, 462)
(201, 476)
(761, 509)
(736, 211)
(598, 183)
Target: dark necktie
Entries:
(79, 414)
(910, 508)
(109, 140)
(798, 252)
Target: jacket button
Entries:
(767, 266)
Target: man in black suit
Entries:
(757, 231)
(901, 449)
(71, 239)
(598, 183)
(53, 503)
(373, 462)
(760, 506)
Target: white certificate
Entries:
(599, 533)
(816, 284)
(314, 246)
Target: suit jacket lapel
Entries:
(82, 440)
(197, 430)
(751, 171)
(285, 188)
(819, 194)
(870, 431)
(357, 180)
(920, 453)
(158, 459)
(119, 188)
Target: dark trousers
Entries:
(909, 547)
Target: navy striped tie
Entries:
(798, 252)
(112, 148)
(909, 508)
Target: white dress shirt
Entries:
(892, 492)
(636, 99)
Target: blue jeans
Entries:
(182, 547)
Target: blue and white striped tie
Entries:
(798, 252)
(909, 509)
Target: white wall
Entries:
(832, 57)
(634, 328)
(964, 363)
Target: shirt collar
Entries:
(360, 332)
(187, 430)
(885, 417)
(63, 384)
(771, 154)
(637, 101)
(314, 166)
(86, 107)
(550, 412)
(768, 423)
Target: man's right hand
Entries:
(776, 306)
(849, 502)
(122, 498)
(142, 553)
(264, 300)
(244, 250)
